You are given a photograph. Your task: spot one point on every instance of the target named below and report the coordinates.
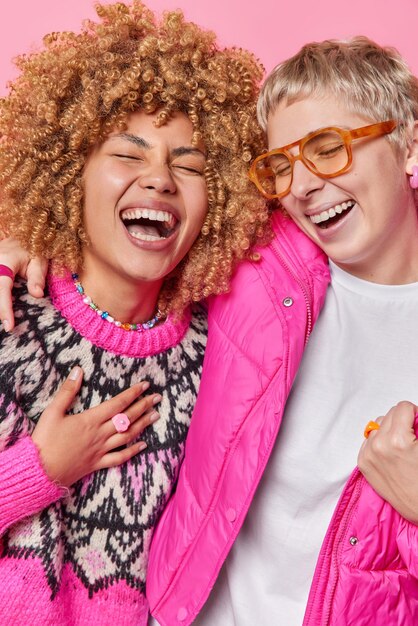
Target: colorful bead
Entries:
(105, 315)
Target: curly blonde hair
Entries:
(80, 87)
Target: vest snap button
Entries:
(288, 301)
(353, 541)
(231, 515)
(182, 614)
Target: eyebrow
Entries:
(187, 150)
(140, 142)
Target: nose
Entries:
(159, 178)
(304, 182)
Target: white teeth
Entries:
(324, 216)
(145, 237)
(149, 214)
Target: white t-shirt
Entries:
(362, 359)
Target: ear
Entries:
(412, 154)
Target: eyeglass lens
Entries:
(325, 153)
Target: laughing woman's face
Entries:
(145, 199)
(364, 219)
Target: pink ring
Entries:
(121, 422)
(6, 271)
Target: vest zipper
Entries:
(305, 288)
(336, 549)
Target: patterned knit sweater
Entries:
(78, 556)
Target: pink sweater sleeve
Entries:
(25, 489)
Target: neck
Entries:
(137, 343)
(124, 299)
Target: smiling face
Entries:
(145, 201)
(365, 219)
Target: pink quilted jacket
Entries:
(367, 568)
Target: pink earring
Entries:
(413, 181)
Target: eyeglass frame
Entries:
(348, 136)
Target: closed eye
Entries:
(191, 170)
(283, 170)
(128, 157)
(330, 152)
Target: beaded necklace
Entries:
(106, 316)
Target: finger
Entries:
(13, 255)
(373, 433)
(36, 275)
(106, 410)
(400, 419)
(66, 394)
(116, 439)
(138, 426)
(113, 459)
(6, 308)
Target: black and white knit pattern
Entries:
(104, 527)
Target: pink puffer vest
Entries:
(257, 334)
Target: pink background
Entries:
(273, 29)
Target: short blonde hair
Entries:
(371, 80)
(80, 87)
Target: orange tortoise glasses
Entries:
(326, 152)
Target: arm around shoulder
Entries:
(15, 260)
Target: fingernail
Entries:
(75, 373)
(154, 417)
(145, 385)
(157, 398)
(6, 325)
(141, 446)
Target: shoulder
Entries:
(199, 317)
(29, 310)
(290, 249)
(195, 338)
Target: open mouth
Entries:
(333, 215)
(148, 224)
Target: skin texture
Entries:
(375, 242)
(377, 239)
(141, 167)
(389, 459)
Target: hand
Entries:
(72, 446)
(389, 460)
(33, 270)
